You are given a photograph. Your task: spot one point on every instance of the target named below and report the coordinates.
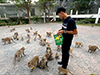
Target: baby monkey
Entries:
(19, 53)
(28, 41)
(43, 63)
(31, 28)
(36, 32)
(78, 44)
(92, 48)
(28, 35)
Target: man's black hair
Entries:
(60, 9)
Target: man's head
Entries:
(61, 12)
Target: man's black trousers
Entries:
(65, 52)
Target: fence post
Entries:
(76, 12)
(71, 12)
(97, 18)
(44, 17)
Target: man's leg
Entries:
(65, 53)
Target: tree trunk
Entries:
(28, 15)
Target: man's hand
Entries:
(60, 32)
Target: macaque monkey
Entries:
(15, 37)
(63, 71)
(57, 56)
(39, 36)
(34, 62)
(78, 44)
(50, 56)
(48, 48)
(19, 53)
(49, 34)
(16, 34)
(43, 42)
(71, 51)
(35, 38)
(22, 38)
(27, 30)
(58, 48)
(92, 48)
(36, 32)
(28, 41)
(31, 28)
(7, 39)
(12, 29)
(28, 35)
(47, 55)
(44, 63)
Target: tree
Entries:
(24, 4)
(3, 1)
(45, 6)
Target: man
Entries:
(68, 29)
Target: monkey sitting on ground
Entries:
(7, 39)
(19, 53)
(27, 30)
(35, 38)
(63, 71)
(49, 34)
(50, 56)
(12, 29)
(57, 56)
(36, 32)
(70, 52)
(48, 48)
(22, 38)
(39, 36)
(33, 63)
(78, 44)
(16, 34)
(44, 63)
(92, 48)
(58, 48)
(28, 35)
(43, 42)
(31, 28)
(28, 41)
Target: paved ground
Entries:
(82, 63)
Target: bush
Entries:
(36, 19)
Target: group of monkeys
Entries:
(43, 64)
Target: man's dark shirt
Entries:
(68, 24)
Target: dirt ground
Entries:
(82, 63)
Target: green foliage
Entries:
(3, 1)
(36, 19)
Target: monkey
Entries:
(27, 30)
(44, 63)
(31, 28)
(49, 34)
(12, 29)
(92, 48)
(78, 44)
(19, 53)
(43, 42)
(39, 36)
(64, 71)
(58, 48)
(50, 56)
(71, 51)
(22, 38)
(7, 39)
(36, 32)
(16, 34)
(35, 38)
(57, 56)
(16, 37)
(28, 41)
(47, 55)
(33, 62)
(28, 35)
(48, 48)
(47, 43)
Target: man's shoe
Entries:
(60, 63)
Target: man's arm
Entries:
(69, 32)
